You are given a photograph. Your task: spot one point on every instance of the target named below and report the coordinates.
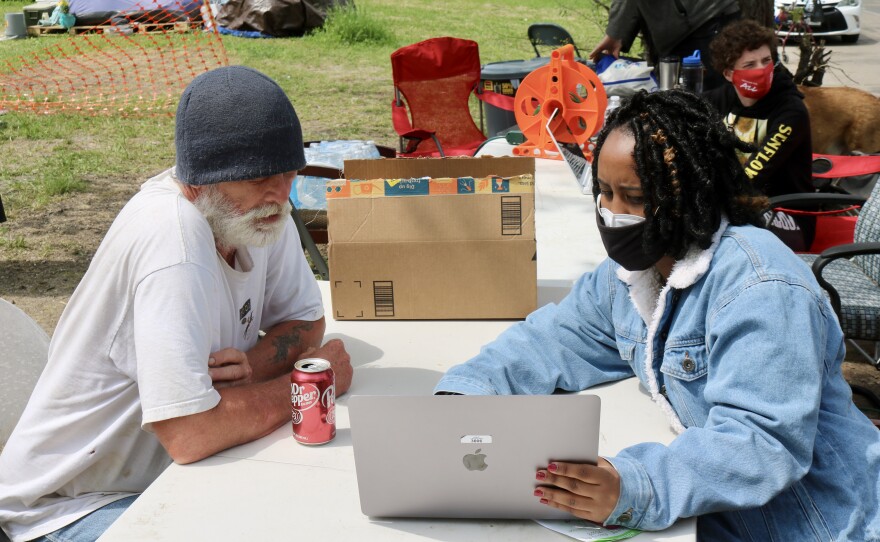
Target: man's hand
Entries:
(608, 45)
(587, 491)
(334, 352)
(229, 367)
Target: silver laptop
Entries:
(453, 456)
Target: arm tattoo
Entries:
(283, 343)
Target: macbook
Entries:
(457, 456)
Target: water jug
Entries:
(692, 73)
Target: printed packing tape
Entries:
(426, 186)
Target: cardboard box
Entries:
(450, 238)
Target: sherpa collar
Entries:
(648, 295)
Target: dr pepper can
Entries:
(313, 401)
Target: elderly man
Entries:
(156, 357)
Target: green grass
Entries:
(11, 242)
(339, 79)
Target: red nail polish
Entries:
(539, 493)
(540, 475)
(544, 501)
(552, 467)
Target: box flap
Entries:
(396, 168)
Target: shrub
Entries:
(352, 26)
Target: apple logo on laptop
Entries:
(475, 461)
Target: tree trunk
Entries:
(759, 10)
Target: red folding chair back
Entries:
(433, 81)
(811, 232)
(811, 223)
(854, 175)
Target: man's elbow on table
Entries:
(240, 417)
(182, 440)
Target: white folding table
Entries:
(276, 489)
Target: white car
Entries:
(838, 18)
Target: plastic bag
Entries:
(625, 76)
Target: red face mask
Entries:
(753, 83)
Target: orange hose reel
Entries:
(566, 86)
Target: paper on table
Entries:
(575, 159)
(584, 530)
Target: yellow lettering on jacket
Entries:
(770, 148)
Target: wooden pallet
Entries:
(139, 28)
(37, 30)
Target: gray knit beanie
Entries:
(235, 124)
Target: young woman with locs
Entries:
(723, 325)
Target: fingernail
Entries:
(544, 501)
(552, 467)
(540, 475)
(539, 493)
(211, 360)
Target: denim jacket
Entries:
(742, 350)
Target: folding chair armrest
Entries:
(851, 249)
(495, 99)
(386, 151)
(400, 116)
(422, 135)
(418, 134)
(835, 253)
(801, 201)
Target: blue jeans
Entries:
(89, 528)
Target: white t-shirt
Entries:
(132, 348)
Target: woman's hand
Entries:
(229, 367)
(587, 491)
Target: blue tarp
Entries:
(242, 33)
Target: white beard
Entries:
(232, 228)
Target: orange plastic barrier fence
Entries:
(136, 63)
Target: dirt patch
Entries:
(59, 241)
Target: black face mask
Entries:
(624, 245)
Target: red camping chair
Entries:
(433, 81)
(811, 223)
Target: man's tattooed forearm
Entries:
(291, 339)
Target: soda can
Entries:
(313, 401)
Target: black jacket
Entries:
(779, 127)
(666, 22)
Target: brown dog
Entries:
(843, 119)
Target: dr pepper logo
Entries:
(303, 396)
